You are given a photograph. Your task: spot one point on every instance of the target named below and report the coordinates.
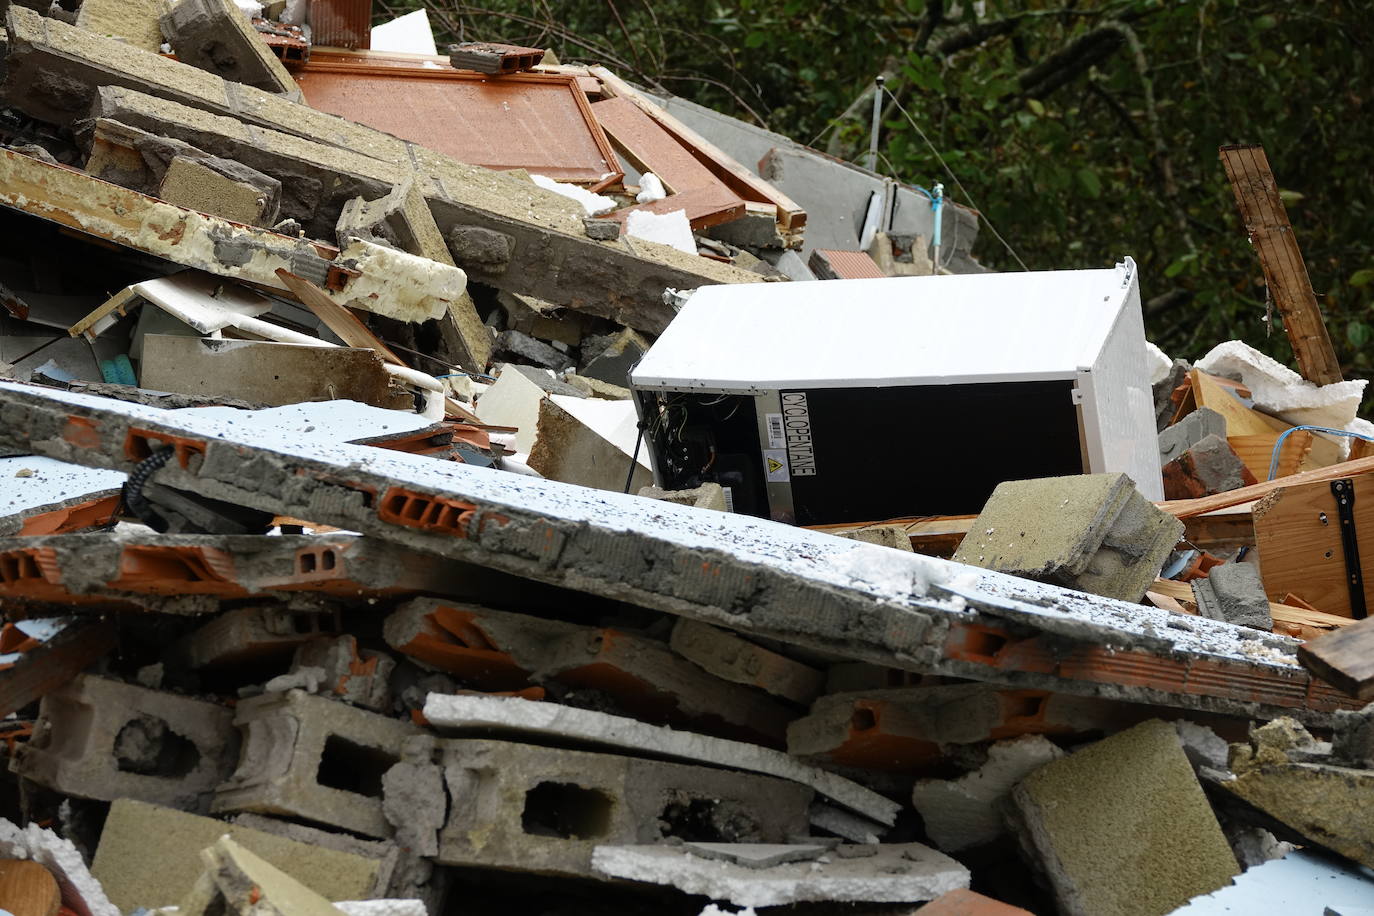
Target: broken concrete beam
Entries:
(763, 579)
(732, 658)
(1285, 774)
(215, 35)
(318, 180)
(190, 183)
(897, 873)
(315, 759)
(1209, 467)
(270, 373)
(1233, 592)
(150, 856)
(642, 675)
(706, 496)
(251, 634)
(493, 57)
(103, 739)
(1091, 819)
(366, 276)
(236, 881)
(534, 721)
(43, 496)
(1092, 532)
(525, 808)
(55, 71)
(189, 574)
(906, 728)
(134, 22)
(401, 218)
(1189, 431)
(964, 812)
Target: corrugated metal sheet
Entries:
(341, 23)
(535, 121)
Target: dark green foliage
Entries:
(1084, 130)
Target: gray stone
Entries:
(602, 229)
(1352, 738)
(1189, 431)
(515, 345)
(1091, 532)
(1234, 592)
(1164, 405)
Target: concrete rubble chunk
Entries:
(518, 807)
(238, 882)
(315, 759)
(1352, 740)
(964, 812)
(893, 536)
(1122, 826)
(414, 798)
(103, 739)
(1297, 781)
(534, 721)
(640, 674)
(1093, 532)
(590, 442)
(150, 856)
(1233, 592)
(728, 656)
(134, 22)
(1208, 467)
(899, 873)
(1193, 428)
(706, 496)
(613, 363)
(215, 35)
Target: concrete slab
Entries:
(1122, 827)
(134, 22)
(149, 856)
(768, 580)
(35, 486)
(535, 721)
(901, 873)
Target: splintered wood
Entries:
(1344, 659)
(1266, 221)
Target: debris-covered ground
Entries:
(470, 484)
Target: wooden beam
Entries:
(42, 670)
(1266, 221)
(1344, 659)
(1191, 508)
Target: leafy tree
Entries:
(1083, 130)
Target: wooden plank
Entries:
(1190, 508)
(1344, 659)
(43, 670)
(791, 217)
(1298, 534)
(692, 187)
(1266, 221)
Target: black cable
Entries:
(634, 459)
(132, 491)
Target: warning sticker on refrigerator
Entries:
(775, 465)
(777, 436)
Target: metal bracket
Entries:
(1344, 492)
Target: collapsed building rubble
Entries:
(324, 588)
